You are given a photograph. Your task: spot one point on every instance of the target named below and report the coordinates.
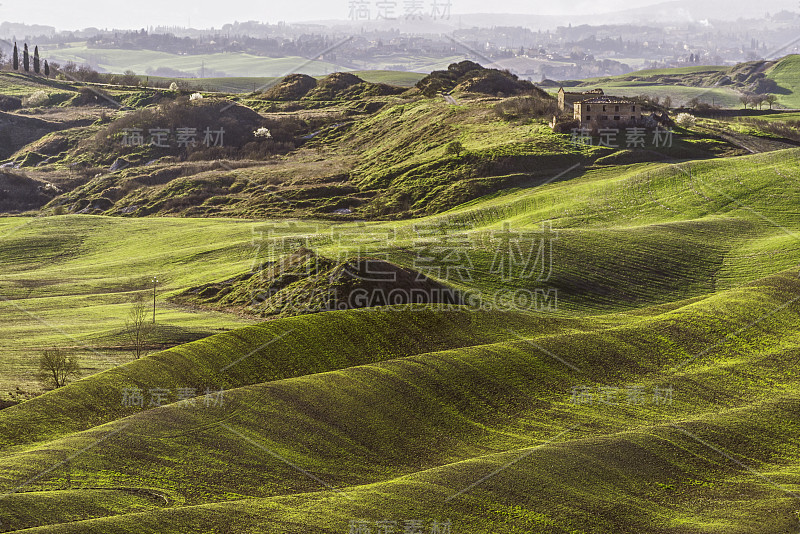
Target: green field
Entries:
(670, 276)
(139, 61)
(783, 117)
(686, 83)
(234, 65)
(719, 96)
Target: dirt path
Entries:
(753, 144)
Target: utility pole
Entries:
(155, 281)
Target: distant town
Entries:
(559, 53)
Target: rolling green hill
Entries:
(787, 75)
(425, 428)
(394, 414)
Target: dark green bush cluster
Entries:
(470, 76)
(526, 107)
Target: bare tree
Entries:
(55, 368)
(744, 99)
(756, 100)
(137, 328)
(771, 99)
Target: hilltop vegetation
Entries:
(469, 76)
(338, 147)
(305, 282)
(337, 86)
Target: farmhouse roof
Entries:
(606, 100)
(592, 92)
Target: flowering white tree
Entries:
(262, 133)
(38, 98)
(685, 120)
(196, 96)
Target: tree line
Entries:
(28, 63)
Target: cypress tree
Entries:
(36, 59)
(46, 69)
(15, 59)
(26, 60)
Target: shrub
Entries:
(525, 107)
(196, 96)
(9, 103)
(38, 98)
(685, 120)
(262, 133)
(91, 96)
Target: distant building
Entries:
(607, 111)
(566, 100)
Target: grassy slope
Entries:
(639, 209)
(787, 74)
(277, 350)
(20, 85)
(779, 117)
(405, 424)
(402, 146)
(447, 413)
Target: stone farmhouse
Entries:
(607, 111)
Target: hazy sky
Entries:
(76, 14)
